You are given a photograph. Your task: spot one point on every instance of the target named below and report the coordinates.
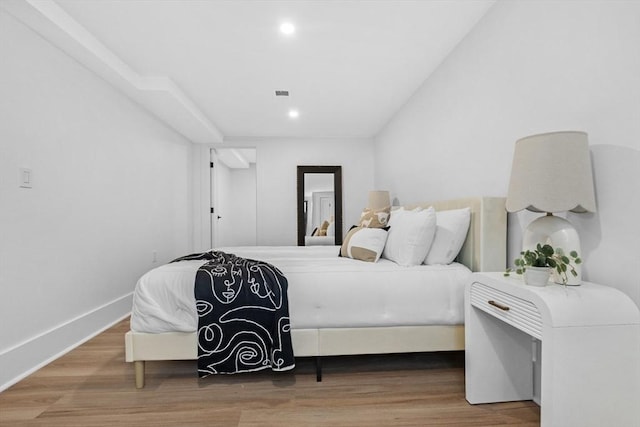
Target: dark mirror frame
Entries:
(337, 192)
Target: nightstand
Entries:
(587, 339)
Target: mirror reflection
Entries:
(319, 215)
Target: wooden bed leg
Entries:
(138, 366)
(318, 369)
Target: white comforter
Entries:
(325, 291)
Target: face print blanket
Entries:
(243, 315)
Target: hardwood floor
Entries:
(93, 386)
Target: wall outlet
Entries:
(25, 178)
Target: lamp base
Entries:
(559, 233)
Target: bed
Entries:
(319, 240)
(325, 324)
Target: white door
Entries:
(326, 208)
(212, 204)
(233, 197)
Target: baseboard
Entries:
(27, 357)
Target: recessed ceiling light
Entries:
(287, 28)
(293, 114)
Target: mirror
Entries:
(319, 201)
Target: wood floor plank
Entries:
(93, 386)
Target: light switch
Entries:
(26, 178)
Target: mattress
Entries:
(319, 240)
(325, 291)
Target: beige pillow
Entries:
(323, 228)
(375, 218)
(364, 244)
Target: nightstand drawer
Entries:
(515, 311)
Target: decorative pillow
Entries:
(322, 231)
(364, 244)
(375, 218)
(410, 236)
(451, 232)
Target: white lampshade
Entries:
(551, 172)
(379, 199)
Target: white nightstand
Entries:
(589, 357)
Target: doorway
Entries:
(233, 197)
(212, 203)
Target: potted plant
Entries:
(537, 264)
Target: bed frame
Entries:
(485, 249)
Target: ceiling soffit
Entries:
(159, 95)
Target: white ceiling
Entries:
(349, 67)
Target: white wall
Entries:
(111, 185)
(277, 161)
(531, 67)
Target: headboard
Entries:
(485, 248)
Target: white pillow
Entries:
(451, 232)
(365, 244)
(331, 229)
(410, 236)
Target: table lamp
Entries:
(379, 199)
(551, 172)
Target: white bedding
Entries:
(319, 240)
(325, 291)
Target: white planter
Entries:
(537, 276)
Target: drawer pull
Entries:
(497, 304)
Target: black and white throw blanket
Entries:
(243, 315)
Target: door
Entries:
(326, 208)
(212, 205)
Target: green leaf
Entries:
(573, 254)
(529, 258)
(547, 250)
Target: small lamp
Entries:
(379, 199)
(551, 172)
